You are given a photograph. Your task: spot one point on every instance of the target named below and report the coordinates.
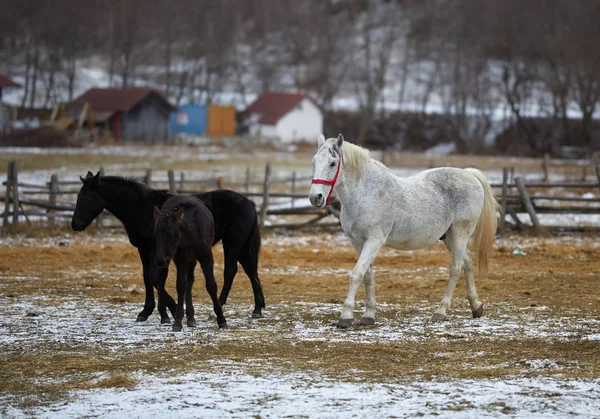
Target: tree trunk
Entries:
(27, 70)
(34, 77)
(71, 73)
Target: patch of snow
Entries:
(442, 149)
(237, 395)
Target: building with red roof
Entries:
(287, 117)
(131, 113)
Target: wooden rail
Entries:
(54, 200)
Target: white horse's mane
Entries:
(356, 159)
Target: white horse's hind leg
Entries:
(458, 247)
(369, 251)
(476, 305)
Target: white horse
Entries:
(380, 209)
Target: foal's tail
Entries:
(486, 225)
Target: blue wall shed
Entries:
(189, 119)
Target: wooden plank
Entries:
(148, 178)
(101, 217)
(528, 204)
(293, 201)
(503, 200)
(515, 217)
(8, 195)
(265, 203)
(50, 213)
(15, 192)
(247, 181)
(172, 187)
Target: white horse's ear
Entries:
(320, 140)
(340, 141)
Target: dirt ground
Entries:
(67, 317)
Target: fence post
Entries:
(528, 204)
(293, 188)
(219, 182)
(584, 174)
(172, 187)
(100, 217)
(148, 178)
(546, 166)
(8, 196)
(265, 202)
(53, 192)
(15, 191)
(247, 181)
(598, 175)
(181, 180)
(503, 203)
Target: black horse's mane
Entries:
(127, 181)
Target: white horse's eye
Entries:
(332, 164)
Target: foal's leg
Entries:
(457, 244)
(189, 306)
(182, 274)
(163, 297)
(249, 262)
(476, 305)
(207, 262)
(369, 251)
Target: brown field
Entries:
(67, 316)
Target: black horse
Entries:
(236, 225)
(184, 233)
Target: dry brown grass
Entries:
(562, 275)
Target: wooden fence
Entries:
(55, 200)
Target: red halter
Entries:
(331, 182)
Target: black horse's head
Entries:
(89, 202)
(166, 231)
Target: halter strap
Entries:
(331, 182)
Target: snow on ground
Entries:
(228, 391)
(276, 396)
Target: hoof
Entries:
(437, 317)
(177, 327)
(165, 320)
(344, 323)
(366, 321)
(191, 322)
(223, 325)
(478, 312)
(141, 318)
(257, 315)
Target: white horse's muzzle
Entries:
(317, 200)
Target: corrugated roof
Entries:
(118, 100)
(272, 106)
(6, 82)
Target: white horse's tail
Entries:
(486, 225)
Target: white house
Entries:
(287, 117)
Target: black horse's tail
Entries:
(253, 242)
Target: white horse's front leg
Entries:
(368, 318)
(369, 251)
